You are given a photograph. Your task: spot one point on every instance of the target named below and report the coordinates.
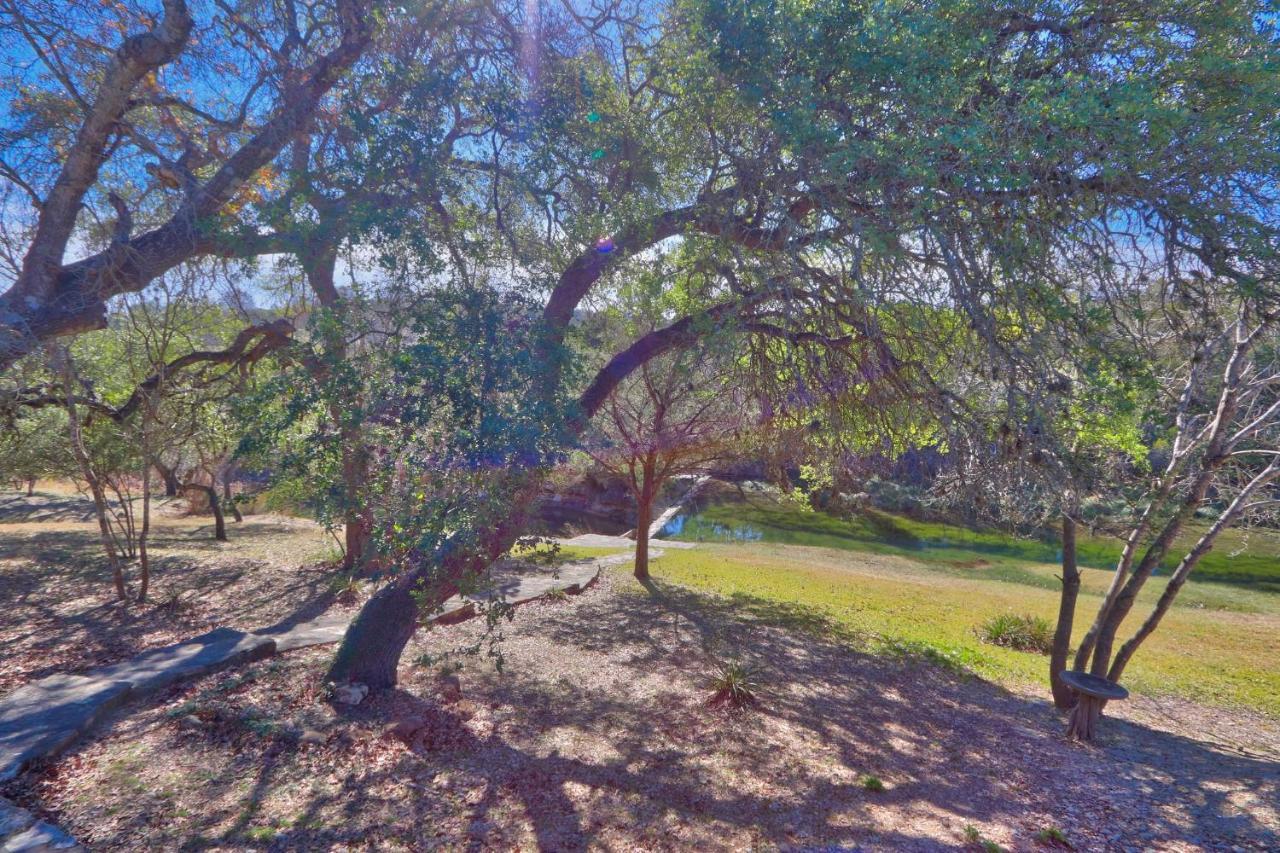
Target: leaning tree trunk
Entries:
(215, 506)
(371, 649)
(1063, 696)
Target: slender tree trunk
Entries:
(319, 262)
(644, 518)
(144, 562)
(228, 499)
(1063, 696)
(31, 486)
(215, 506)
(355, 476)
(85, 464)
(1155, 553)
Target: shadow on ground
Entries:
(599, 734)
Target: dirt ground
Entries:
(597, 734)
(57, 606)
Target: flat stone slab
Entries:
(21, 831)
(514, 586)
(317, 632)
(599, 540)
(41, 719)
(156, 669)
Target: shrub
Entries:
(1024, 633)
(872, 783)
(347, 588)
(734, 684)
(1053, 835)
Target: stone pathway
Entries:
(600, 540)
(41, 719)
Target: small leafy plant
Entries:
(1053, 835)
(974, 837)
(872, 783)
(1024, 633)
(348, 588)
(557, 595)
(735, 684)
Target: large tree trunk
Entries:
(1063, 696)
(1084, 718)
(170, 476)
(371, 648)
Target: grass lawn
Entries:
(926, 597)
(1249, 558)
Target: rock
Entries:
(191, 721)
(406, 727)
(313, 737)
(450, 688)
(350, 694)
(21, 831)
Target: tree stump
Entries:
(1094, 692)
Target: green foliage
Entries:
(871, 783)
(1053, 835)
(735, 683)
(453, 413)
(1025, 633)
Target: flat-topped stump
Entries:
(1094, 692)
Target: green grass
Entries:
(1243, 558)
(821, 575)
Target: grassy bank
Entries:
(1244, 558)
(899, 585)
(894, 604)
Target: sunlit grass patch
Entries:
(887, 604)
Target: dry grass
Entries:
(599, 736)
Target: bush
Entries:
(1024, 633)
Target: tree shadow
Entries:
(573, 760)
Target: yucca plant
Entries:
(734, 684)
